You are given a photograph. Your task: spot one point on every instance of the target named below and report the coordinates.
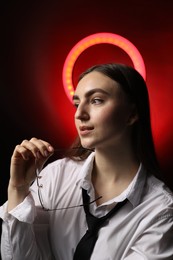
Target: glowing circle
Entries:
(94, 39)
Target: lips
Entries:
(85, 130)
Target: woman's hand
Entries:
(24, 160)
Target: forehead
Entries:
(96, 80)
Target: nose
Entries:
(82, 112)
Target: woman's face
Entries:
(102, 111)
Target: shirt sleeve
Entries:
(21, 229)
(156, 242)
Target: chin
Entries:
(88, 146)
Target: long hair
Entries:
(134, 86)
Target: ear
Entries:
(133, 116)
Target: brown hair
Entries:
(134, 86)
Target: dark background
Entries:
(36, 37)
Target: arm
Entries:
(22, 168)
(25, 233)
(20, 230)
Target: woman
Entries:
(113, 161)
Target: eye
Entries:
(76, 105)
(97, 101)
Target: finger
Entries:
(38, 147)
(29, 148)
(45, 148)
(34, 147)
(22, 152)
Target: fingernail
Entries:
(46, 153)
(38, 155)
(50, 148)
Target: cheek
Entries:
(113, 118)
(104, 119)
(76, 123)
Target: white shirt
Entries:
(141, 229)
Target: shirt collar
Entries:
(84, 176)
(137, 186)
(133, 192)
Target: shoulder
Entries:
(160, 188)
(65, 164)
(70, 166)
(159, 196)
(66, 170)
(62, 169)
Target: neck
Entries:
(113, 170)
(115, 162)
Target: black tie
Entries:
(86, 244)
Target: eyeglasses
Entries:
(40, 187)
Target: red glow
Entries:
(94, 39)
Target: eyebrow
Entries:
(91, 92)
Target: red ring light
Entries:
(91, 40)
